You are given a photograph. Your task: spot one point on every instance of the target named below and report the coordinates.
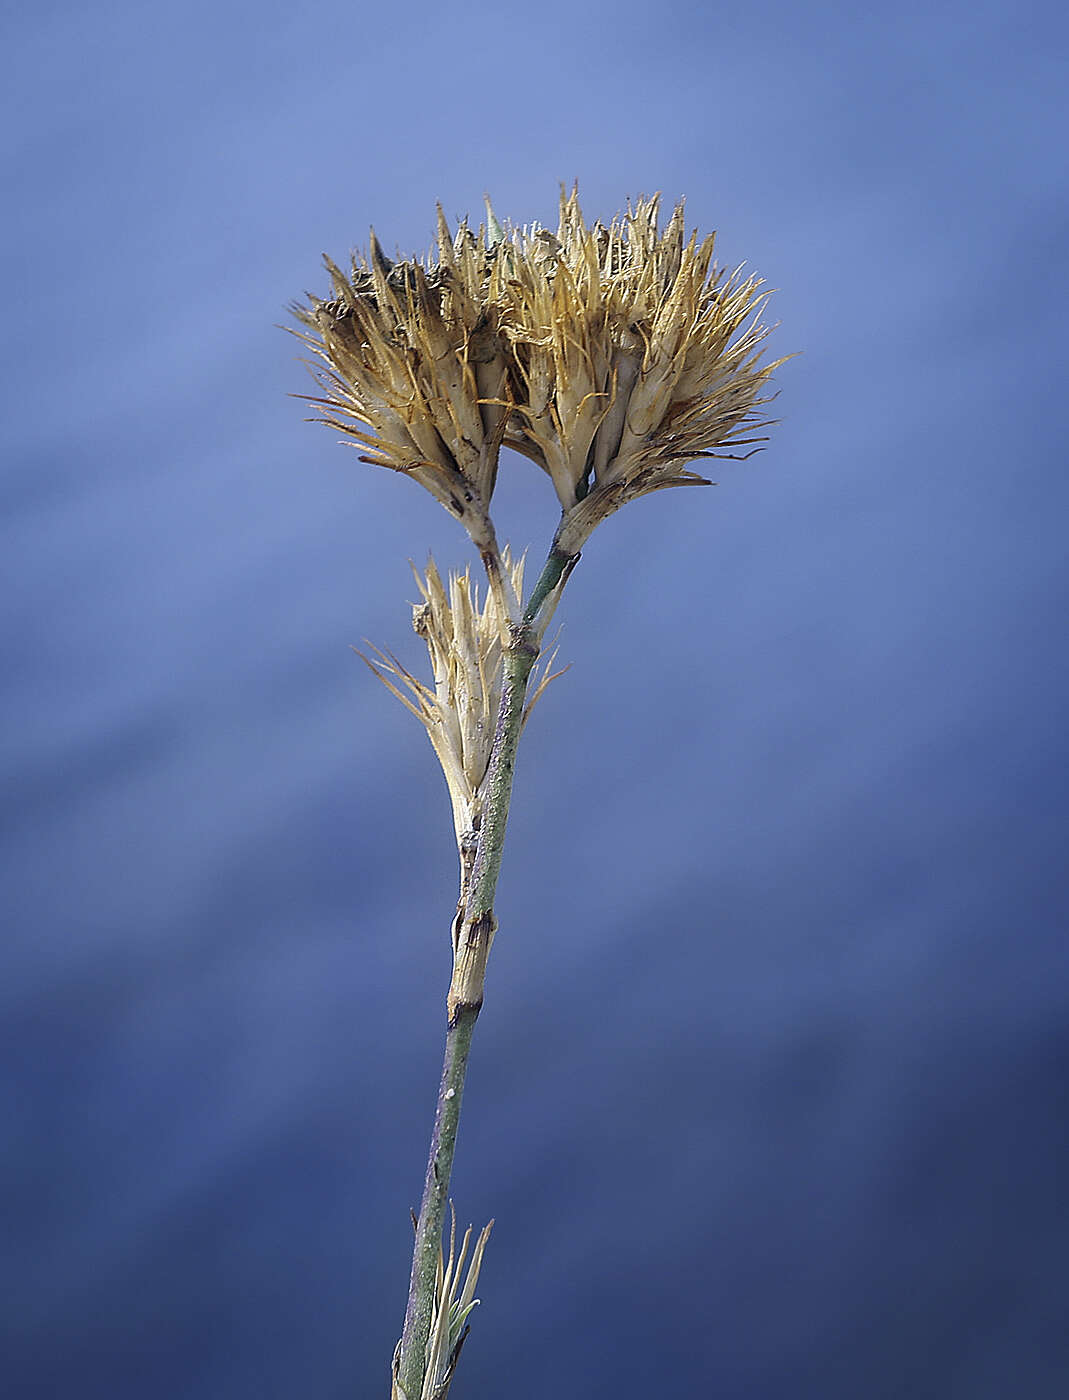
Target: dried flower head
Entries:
(463, 632)
(633, 354)
(415, 369)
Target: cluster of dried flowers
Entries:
(611, 357)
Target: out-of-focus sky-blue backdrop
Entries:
(768, 1094)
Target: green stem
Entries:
(420, 1311)
(559, 565)
(473, 933)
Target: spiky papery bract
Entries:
(463, 631)
(611, 356)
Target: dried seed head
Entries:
(463, 632)
(633, 354)
(414, 369)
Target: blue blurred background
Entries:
(768, 1097)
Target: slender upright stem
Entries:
(473, 933)
(420, 1310)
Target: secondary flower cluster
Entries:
(610, 356)
(463, 632)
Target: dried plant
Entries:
(610, 356)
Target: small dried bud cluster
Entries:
(463, 634)
(610, 356)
